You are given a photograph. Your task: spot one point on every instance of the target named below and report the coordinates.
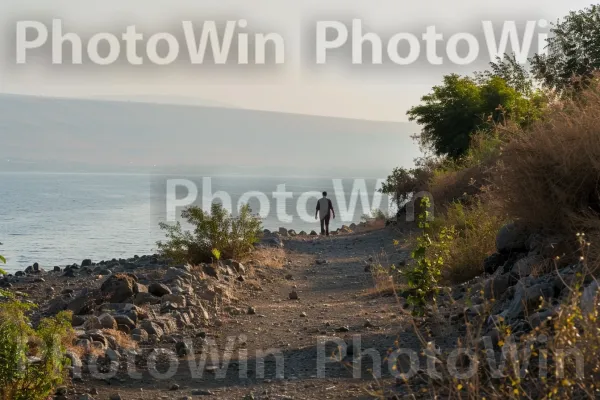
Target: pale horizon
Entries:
(375, 95)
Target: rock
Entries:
(293, 295)
(174, 387)
(77, 320)
(175, 273)
(493, 262)
(152, 328)
(238, 267)
(57, 269)
(92, 323)
(145, 298)
(313, 233)
(139, 335)
(302, 233)
(158, 289)
(182, 349)
(271, 241)
(124, 320)
(292, 233)
(511, 238)
(115, 396)
(527, 299)
(321, 262)
(57, 305)
(201, 392)
(82, 305)
(251, 311)
(107, 321)
(283, 232)
(140, 288)
(119, 288)
(86, 263)
(211, 270)
(524, 266)
(495, 287)
(70, 273)
(174, 299)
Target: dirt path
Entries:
(335, 300)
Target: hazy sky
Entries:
(367, 93)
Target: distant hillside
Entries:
(36, 133)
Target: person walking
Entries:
(324, 206)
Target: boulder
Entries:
(82, 305)
(512, 238)
(107, 321)
(57, 305)
(313, 233)
(526, 299)
(495, 287)
(524, 266)
(145, 298)
(118, 288)
(183, 348)
(158, 289)
(86, 263)
(283, 232)
(152, 328)
(493, 262)
(238, 267)
(92, 323)
(124, 320)
(176, 273)
(140, 288)
(174, 299)
(77, 320)
(210, 270)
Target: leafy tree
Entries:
(462, 106)
(400, 185)
(573, 51)
(511, 71)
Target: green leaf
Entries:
(2, 259)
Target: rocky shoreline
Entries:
(122, 309)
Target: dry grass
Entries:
(550, 175)
(123, 340)
(475, 228)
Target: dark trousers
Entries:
(325, 225)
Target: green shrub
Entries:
(429, 257)
(3, 261)
(232, 237)
(475, 227)
(32, 361)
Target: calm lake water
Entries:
(59, 219)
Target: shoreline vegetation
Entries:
(490, 291)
